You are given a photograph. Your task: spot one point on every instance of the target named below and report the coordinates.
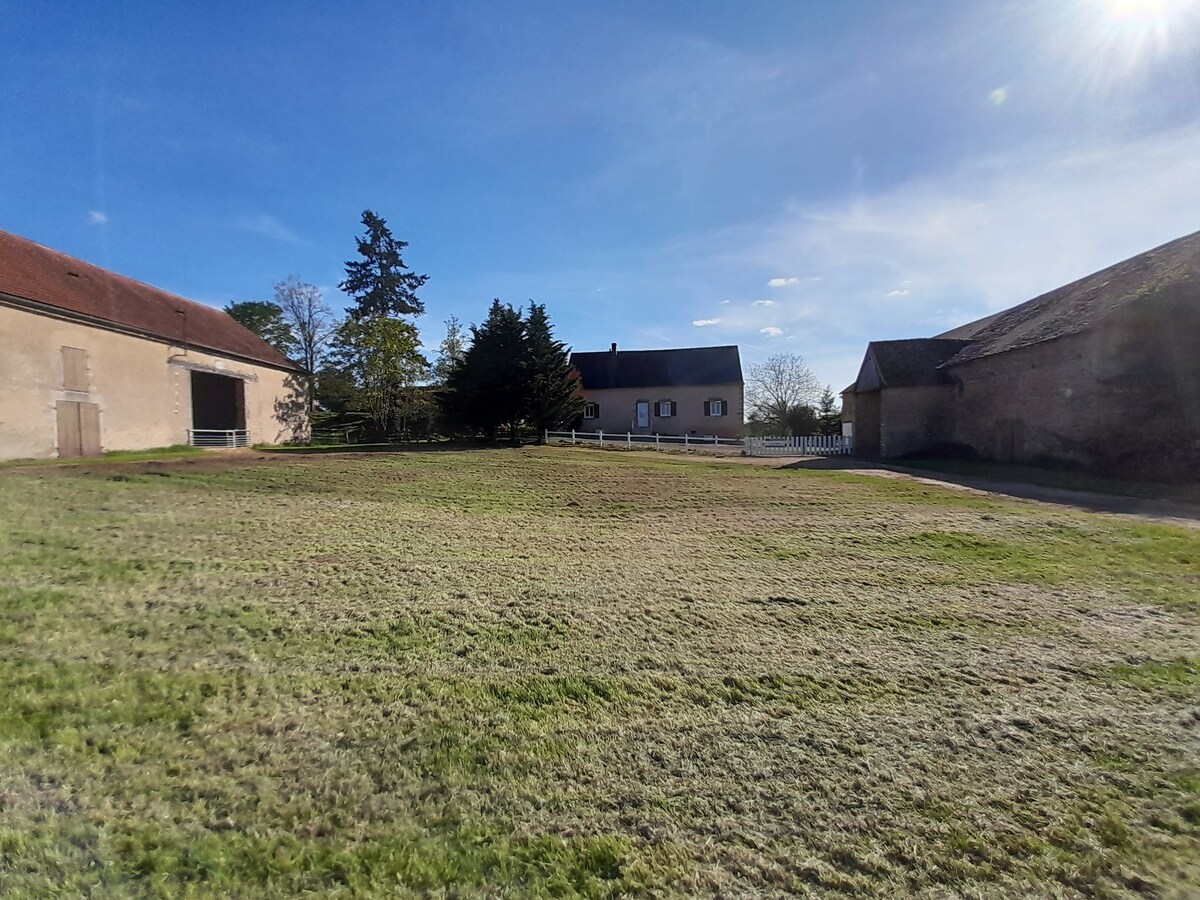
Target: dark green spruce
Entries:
(555, 397)
(380, 283)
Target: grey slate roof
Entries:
(686, 367)
(1078, 306)
(913, 362)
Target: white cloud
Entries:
(998, 96)
(269, 227)
(763, 303)
(726, 302)
(97, 217)
(997, 230)
(771, 331)
(782, 282)
(704, 323)
(974, 239)
(898, 293)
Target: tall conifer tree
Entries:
(490, 385)
(380, 283)
(554, 397)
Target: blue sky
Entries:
(799, 176)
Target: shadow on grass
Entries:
(1088, 492)
(405, 447)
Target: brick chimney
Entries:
(613, 348)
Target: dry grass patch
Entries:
(558, 672)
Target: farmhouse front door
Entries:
(643, 414)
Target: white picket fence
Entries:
(802, 445)
(806, 445)
(610, 439)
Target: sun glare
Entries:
(1131, 35)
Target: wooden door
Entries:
(78, 429)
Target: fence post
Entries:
(572, 435)
(600, 431)
(685, 443)
(628, 439)
(656, 439)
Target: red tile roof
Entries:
(29, 271)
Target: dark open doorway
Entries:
(218, 401)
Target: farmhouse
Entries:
(693, 391)
(1101, 374)
(93, 361)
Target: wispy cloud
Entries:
(771, 331)
(705, 323)
(998, 96)
(979, 237)
(763, 303)
(993, 232)
(783, 282)
(97, 217)
(269, 227)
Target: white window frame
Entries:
(664, 405)
(716, 408)
(591, 410)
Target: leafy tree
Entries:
(309, 319)
(451, 351)
(829, 414)
(801, 420)
(380, 283)
(335, 390)
(777, 386)
(265, 319)
(381, 357)
(490, 386)
(554, 392)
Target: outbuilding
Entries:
(1100, 374)
(92, 361)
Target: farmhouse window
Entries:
(666, 409)
(591, 410)
(716, 408)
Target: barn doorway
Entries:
(78, 428)
(218, 402)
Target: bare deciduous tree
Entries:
(310, 319)
(778, 386)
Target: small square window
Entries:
(591, 410)
(715, 408)
(666, 409)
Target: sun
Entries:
(1133, 34)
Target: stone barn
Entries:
(92, 361)
(1102, 374)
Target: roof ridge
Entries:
(110, 273)
(36, 274)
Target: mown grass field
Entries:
(558, 672)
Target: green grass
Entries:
(555, 672)
(175, 451)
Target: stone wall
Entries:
(1121, 398)
(915, 418)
